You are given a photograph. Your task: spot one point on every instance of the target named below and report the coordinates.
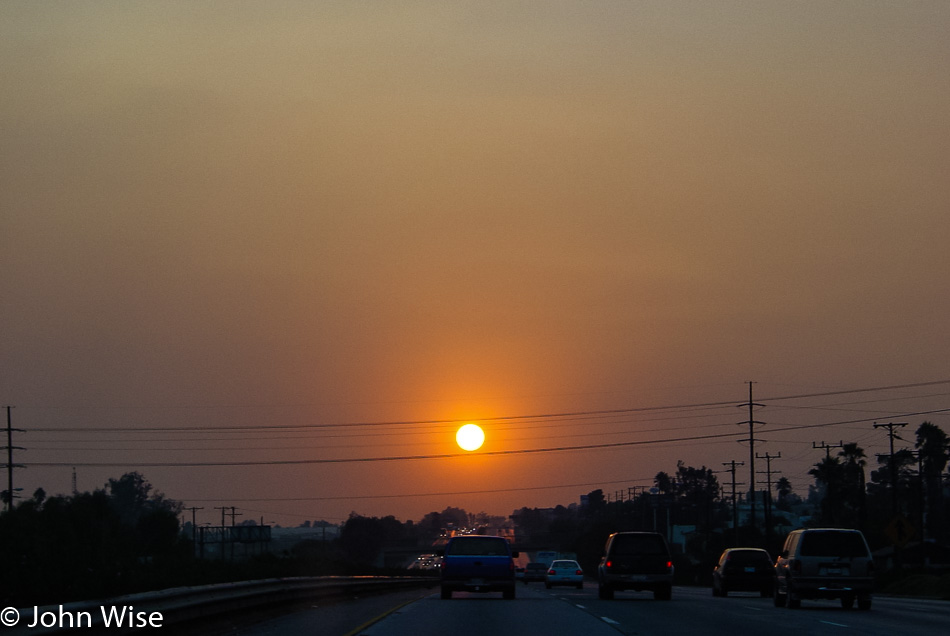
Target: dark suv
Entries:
(824, 563)
(744, 569)
(636, 561)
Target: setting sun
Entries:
(470, 437)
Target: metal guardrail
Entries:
(181, 605)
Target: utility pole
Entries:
(922, 505)
(892, 436)
(735, 508)
(233, 536)
(194, 527)
(752, 423)
(768, 499)
(827, 447)
(233, 514)
(8, 498)
(222, 509)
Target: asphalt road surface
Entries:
(569, 611)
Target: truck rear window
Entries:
(477, 546)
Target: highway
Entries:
(570, 611)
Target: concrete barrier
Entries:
(181, 605)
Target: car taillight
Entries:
(609, 564)
(870, 568)
(797, 567)
(579, 572)
(551, 572)
(669, 564)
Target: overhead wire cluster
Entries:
(135, 446)
(706, 422)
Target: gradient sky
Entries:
(313, 213)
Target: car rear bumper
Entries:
(562, 581)
(478, 585)
(749, 583)
(637, 581)
(824, 587)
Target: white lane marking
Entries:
(835, 624)
(754, 609)
(609, 620)
(581, 606)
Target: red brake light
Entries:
(579, 572)
(609, 564)
(551, 571)
(669, 564)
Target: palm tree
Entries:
(829, 477)
(783, 487)
(854, 463)
(934, 449)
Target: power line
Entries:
(270, 436)
(543, 416)
(425, 494)
(829, 407)
(857, 421)
(42, 444)
(865, 390)
(395, 423)
(526, 451)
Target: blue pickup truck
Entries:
(477, 563)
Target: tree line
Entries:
(89, 545)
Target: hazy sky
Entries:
(320, 213)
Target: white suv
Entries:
(824, 563)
